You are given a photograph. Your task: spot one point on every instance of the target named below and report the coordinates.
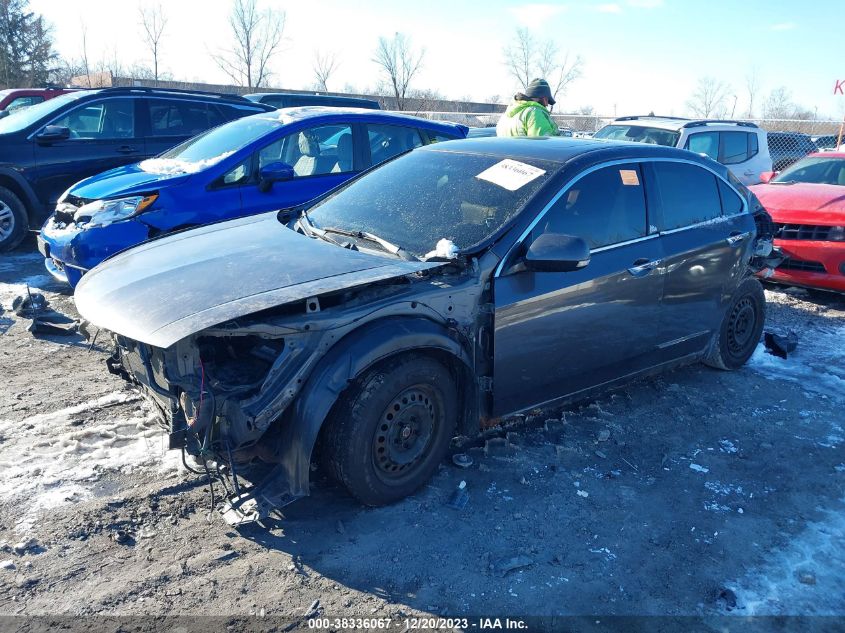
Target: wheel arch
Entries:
(348, 359)
(17, 185)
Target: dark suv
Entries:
(788, 147)
(47, 147)
(297, 99)
(454, 285)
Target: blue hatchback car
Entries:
(258, 163)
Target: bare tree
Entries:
(110, 63)
(257, 35)
(153, 21)
(526, 58)
(559, 72)
(752, 87)
(399, 63)
(709, 98)
(324, 66)
(779, 104)
(86, 68)
(520, 56)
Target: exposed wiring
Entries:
(234, 472)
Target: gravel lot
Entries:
(696, 493)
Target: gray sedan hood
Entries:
(164, 290)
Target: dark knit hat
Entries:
(539, 88)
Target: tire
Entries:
(389, 432)
(14, 222)
(741, 327)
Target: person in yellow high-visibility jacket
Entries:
(528, 115)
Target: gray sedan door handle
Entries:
(736, 239)
(642, 267)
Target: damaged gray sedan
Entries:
(452, 286)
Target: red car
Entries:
(17, 98)
(807, 203)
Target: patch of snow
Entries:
(50, 460)
(698, 469)
(445, 249)
(36, 283)
(817, 364)
(175, 166)
(726, 446)
(773, 588)
(723, 489)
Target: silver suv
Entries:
(739, 145)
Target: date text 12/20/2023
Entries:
(422, 623)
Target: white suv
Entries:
(739, 145)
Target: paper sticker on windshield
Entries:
(629, 177)
(511, 174)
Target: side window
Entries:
(604, 207)
(704, 143)
(687, 194)
(753, 145)
(107, 119)
(170, 117)
(734, 148)
(23, 102)
(320, 150)
(731, 202)
(238, 175)
(386, 141)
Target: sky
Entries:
(639, 55)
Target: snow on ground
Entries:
(54, 459)
(792, 578)
(36, 283)
(818, 363)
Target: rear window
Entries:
(639, 134)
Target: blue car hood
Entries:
(166, 289)
(128, 180)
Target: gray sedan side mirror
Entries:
(557, 253)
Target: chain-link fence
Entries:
(788, 139)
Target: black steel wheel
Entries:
(741, 327)
(389, 431)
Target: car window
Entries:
(604, 207)
(172, 117)
(107, 119)
(386, 141)
(326, 149)
(734, 147)
(704, 143)
(731, 202)
(238, 175)
(687, 194)
(639, 133)
(23, 102)
(25, 117)
(753, 145)
(821, 171)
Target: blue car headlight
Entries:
(104, 212)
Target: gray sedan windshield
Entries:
(425, 197)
